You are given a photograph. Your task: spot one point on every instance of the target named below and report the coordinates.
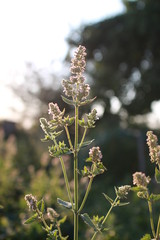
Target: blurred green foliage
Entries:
(22, 172)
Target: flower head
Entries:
(95, 154)
(92, 117)
(55, 112)
(75, 86)
(140, 179)
(31, 202)
(122, 191)
(78, 63)
(154, 148)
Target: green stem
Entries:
(76, 176)
(151, 216)
(158, 228)
(65, 176)
(42, 218)
(104, 220)
(83, 137)
(66, 181)
(68, 137)
(86, 195)
(59, 230)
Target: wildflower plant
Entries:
(141, 182)
(76, 94)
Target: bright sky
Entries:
(35, 31)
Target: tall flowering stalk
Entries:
(141, 183)
(76, 94)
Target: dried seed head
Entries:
(140, 179)
(31, 202)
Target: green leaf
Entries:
(82, 122)
(89, 159)
(85, 144)
(146, 237)
(31, 219)
(68, 101)
(41, 205)
(64, 203)
(108, 198)
(122, 204)
(46, 139)
(155, 197)
(89, 222)
(61, 221)
(157, 175)
(87, 101)
(138, 189)
(1, 207)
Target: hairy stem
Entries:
(76, 175)
(86, 195)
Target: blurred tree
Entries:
(124, 57)
(40, 86)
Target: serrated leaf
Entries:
(41, 205)
(146, 237)
(64, 203)
(89, 222)
(108, 198)
(85, 144)
(157, 175)
(68, 101)
(31, 219)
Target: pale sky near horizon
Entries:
(35, 31)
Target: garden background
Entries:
(123, 70)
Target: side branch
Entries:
(68, 137)
(86, 195)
